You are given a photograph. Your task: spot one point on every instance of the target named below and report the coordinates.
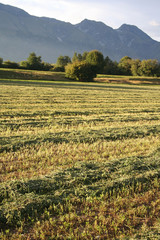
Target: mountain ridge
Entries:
(22, 33)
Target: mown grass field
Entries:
(79, 160)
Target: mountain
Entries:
(128, 40)
(22, 33)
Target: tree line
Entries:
(87, 65)
(126, 65)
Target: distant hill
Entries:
(21, 34)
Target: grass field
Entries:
(79, 160)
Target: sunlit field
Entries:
(79, 160)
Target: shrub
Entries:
(9, 64)
(24, 64)
(46, 66)
(81, 71)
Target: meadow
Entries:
(78, 160)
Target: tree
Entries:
(135, 65)
(24, 64)
(84, 55)
(110, 67)
(149, 67)
(62, 61)
(96, 59)
(33, 62)
(77, 57)
(81, 71)
(125, 65)
(46, 66)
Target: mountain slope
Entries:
(127, 40)
(21, 33)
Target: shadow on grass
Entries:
(73, 85)
(22, 199)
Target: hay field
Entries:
(79, 160)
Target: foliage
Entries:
(56, 68)
(9, 64)
(110, 67)
(24, 64)
(62, 61)
(96, 59)
(135, 67)
(35, 63)
(46, 66)
(125, 65)
(149, 67)
(84, 55)
(81, 71)
(77, 57)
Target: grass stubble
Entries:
(79, 161)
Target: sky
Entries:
(145, 14)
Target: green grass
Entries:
(79, 160)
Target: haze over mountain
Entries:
(21, 34)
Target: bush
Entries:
(46, 66)
(81, 71)
(9, 64)
(24, 65)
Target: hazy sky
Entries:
(145, 14)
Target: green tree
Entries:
(24, 64)
(77, 57)
(135, 67)
(96, 59)
(84, 55)
(125, 65)
(81, 71)
(110, 67)
(149, 67)
(62, 61)
(46, 66)
(34, 62)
